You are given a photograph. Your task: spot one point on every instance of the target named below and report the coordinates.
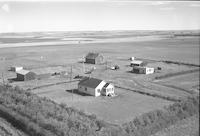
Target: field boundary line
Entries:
(176, 74)
(169, 98)
(175, 87)
(179, 63)
(47, 85)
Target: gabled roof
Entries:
(22, 72)
(16, 67)
(92, 55)
(106, 85)
(90, 82)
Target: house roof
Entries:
(22, 72)
(90, 82)
(48, 70)
(16, 67)
(136, 62)
(92, 55)
(106, 85)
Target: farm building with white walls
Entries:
(15, 68)
(132, 58)
(93, 86)
(143, 70)
(137, 63)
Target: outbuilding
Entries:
(25, 75)
(132, 58)
(143, 70)
(95, 87)
(94, 58)
(137, 63)
(16, 68)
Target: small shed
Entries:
(143, 70)
(25, 75)
(137, 63)
(132, 58)
(94, 58)
(16, 68)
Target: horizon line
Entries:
(102, 30)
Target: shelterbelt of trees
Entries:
(38, 116)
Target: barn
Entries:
(94, 58)
(95, 87)
(143, 70)
(15, 68)
(25, 75)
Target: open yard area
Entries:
(119, 109)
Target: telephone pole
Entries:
(71, 81)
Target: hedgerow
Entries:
(38, 116)
(151, 122)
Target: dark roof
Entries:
(92, 55)
(106, 85)
(90, 82)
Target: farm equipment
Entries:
(116, 67)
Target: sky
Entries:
(99, 15)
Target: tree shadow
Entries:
(75, 91)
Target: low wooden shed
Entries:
(94, 58)
(25, 75)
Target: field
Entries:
(117, 48)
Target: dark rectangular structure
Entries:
(24, 75)
(94, 58)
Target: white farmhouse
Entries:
(95, 87)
